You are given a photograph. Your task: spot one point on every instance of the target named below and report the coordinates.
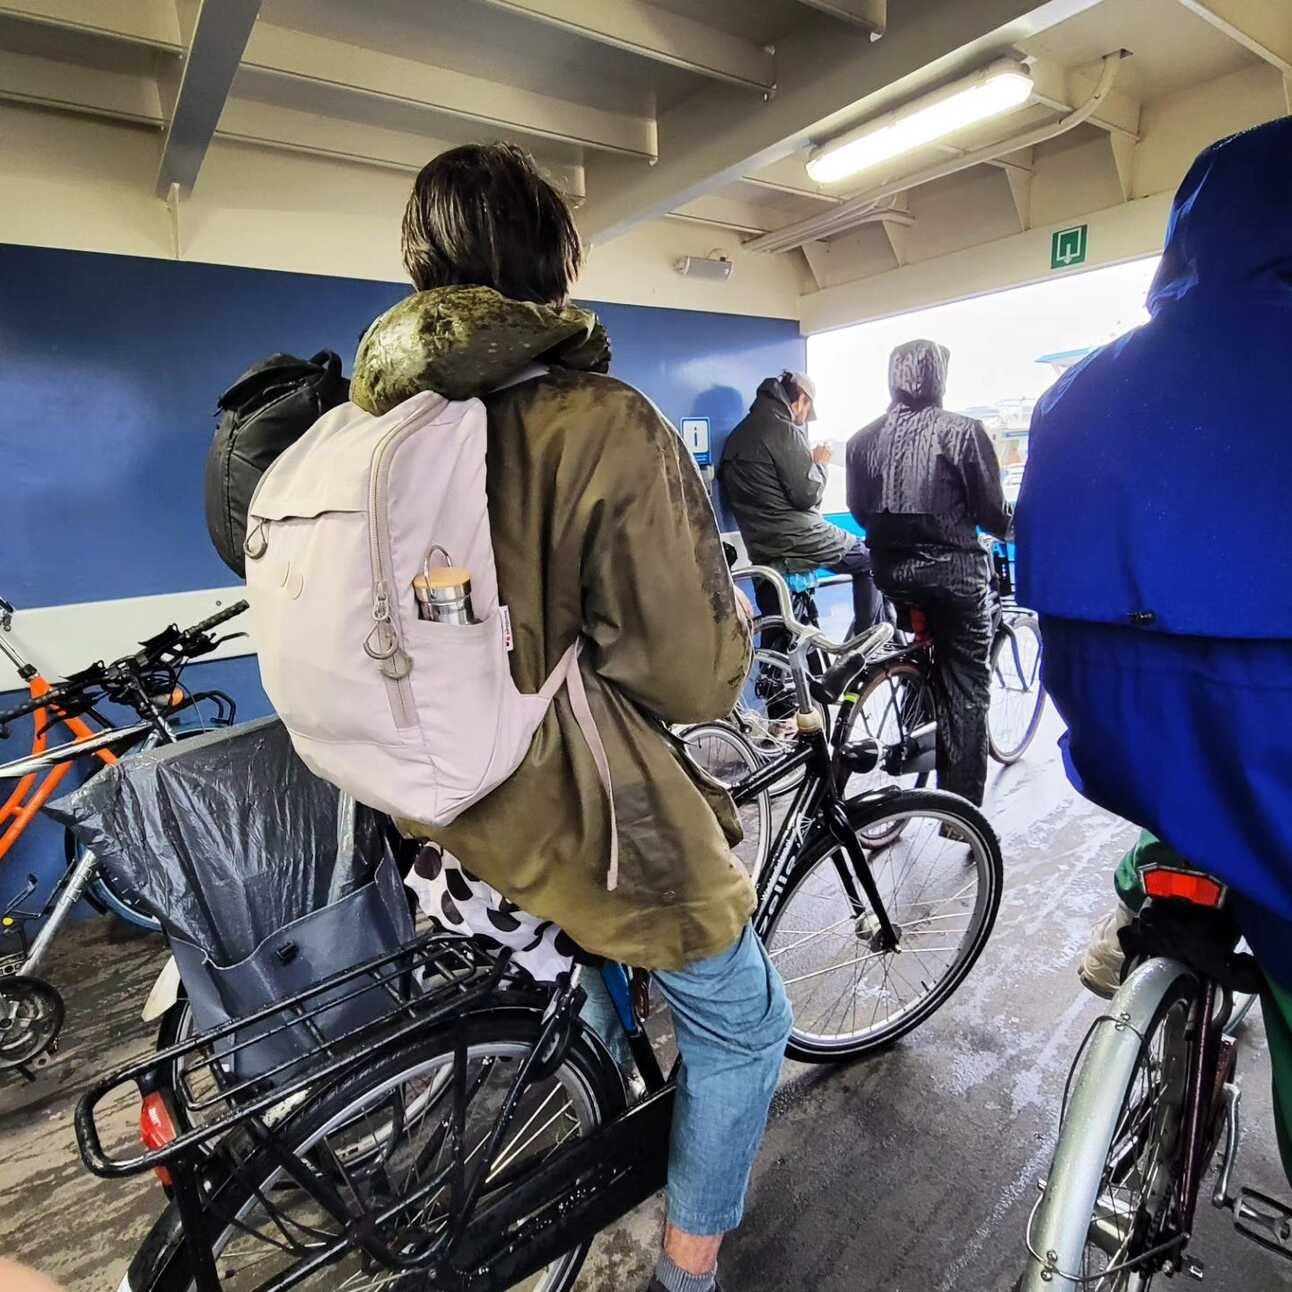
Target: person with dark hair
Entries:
(923, 481)
(602, 530)
(773, 480)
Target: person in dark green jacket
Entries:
(774, 480)
(602, 531)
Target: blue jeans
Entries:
(732, 1019)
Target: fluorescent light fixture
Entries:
(998, 88)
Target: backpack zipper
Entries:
(383, 642)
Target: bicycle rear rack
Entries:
(428, 981)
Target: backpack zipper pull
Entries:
(382, 643)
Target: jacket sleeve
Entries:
(857, 503)
(981, 469)
(659, 603)
(802, 479)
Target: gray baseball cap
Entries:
(808, 387)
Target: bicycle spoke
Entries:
(843, 985)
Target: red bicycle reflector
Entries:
(156, 1129)
(1184, 885)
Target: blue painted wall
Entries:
(109, 371)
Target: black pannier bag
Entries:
(264, 412)
(265, 878)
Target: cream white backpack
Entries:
(415, 718)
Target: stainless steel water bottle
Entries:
(444, 595)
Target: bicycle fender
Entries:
(1062, 1220)
(164, 993)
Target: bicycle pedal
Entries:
(1264, 1220)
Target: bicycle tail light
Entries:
(157, 1129)
(1183, 885)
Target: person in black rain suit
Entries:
(923, 481)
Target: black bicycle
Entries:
(475, 1134)
(893, 701)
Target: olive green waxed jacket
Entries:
(601, 527)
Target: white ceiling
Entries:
(641, 132)
(1172, 47)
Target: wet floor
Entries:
(913, 1171)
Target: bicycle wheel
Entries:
(379, 1134)
(850, 996)
(1101, 1221)
(727, 756)
(1017, 693)
(893, 700)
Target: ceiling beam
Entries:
(716, 222)
(789, 175)
(26, 78)
(651, 32)
(349, 69)
(792, 190)
(123, 97)
(142, 22)
(1263, 28)
(869, 14)
(896, 228)
(221, 29)
(1020, 189)
(826, 74)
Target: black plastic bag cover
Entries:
(227, 837)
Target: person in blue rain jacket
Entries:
(1153, 540)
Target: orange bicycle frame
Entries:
(33, 791)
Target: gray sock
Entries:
(673, 1278)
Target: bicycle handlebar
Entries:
(187, 643)
(865, 642)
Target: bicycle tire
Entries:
(938, 809)
(740, 760)
(875, 680)
(1004, 749)
(163, 1263)
(1103, 1089)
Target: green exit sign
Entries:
(1068, 247)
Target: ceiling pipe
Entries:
(859, 209)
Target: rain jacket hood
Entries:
(917, 374)
(922, 480)
(1120, 513)
(1230, 231)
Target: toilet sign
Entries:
(695, 431)
(1068, 247)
